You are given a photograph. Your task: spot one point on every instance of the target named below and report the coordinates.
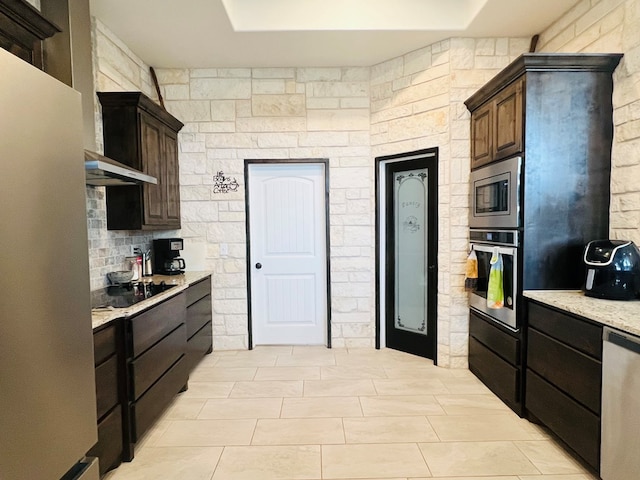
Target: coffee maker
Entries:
(166, 256)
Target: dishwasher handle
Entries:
(623, 340)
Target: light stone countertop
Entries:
(621, 314)
(181, 282)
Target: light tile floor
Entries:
(311, 413)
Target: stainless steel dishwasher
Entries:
(620, 416)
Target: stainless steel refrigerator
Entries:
(47, 385)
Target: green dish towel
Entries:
(495, 290)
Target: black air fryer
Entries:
(613, 269)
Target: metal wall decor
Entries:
(224, 184)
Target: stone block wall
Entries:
(612, 26)
(277, 113)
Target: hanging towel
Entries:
(471, 275)
(495, 290)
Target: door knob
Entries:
(258, 265)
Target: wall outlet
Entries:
(224, 249)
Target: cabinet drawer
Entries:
(571, 330)
(104, 343)
(149, 407)
(501, 343)
(152, 325)
(198, 290)
(107, 385)
(109, 446)
(573, 372)
(198, 315)
(501, 377)
(148, 367)
(574, 424)
(198, 346)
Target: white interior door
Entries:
(287, 222)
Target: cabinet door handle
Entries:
(258, 265)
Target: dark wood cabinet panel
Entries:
(503, 344)
(501, 377)
(151, 365)
(148, 408)
(481, 136)
(109, 446)
(508, 121)
(198, 346)
(107, 385)
(198, 315)
(199, 322)
(575, 332)
(104, 343)
(152, 325)
(572, 372)
(495, 358)
(497, 126)
(107, 346)
(578, 427)
(23, 29)
(141, 134)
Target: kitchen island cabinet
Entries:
(141, 134)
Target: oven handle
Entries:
(479, 247)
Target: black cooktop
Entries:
(125, 295)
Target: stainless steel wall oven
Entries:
(505, 242)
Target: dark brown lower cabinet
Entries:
(156, 345)
(564, 378)
(109, 394)
(141, 363)
(495, 358)
(199, 322)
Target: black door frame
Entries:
(430, 157)
(303, 161)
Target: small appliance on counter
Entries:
(613, 269)
(166, 256)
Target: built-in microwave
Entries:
(495, 195)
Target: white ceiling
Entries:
(309, 33)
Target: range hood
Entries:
(103, 171)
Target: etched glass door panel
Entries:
(410, 206)
(410, 246)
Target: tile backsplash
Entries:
(108, 248)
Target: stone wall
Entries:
(612, 26)
(276, 113)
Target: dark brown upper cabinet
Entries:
(496, 126)
(23, 30)
(142, 135)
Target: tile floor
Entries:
(311, 413)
